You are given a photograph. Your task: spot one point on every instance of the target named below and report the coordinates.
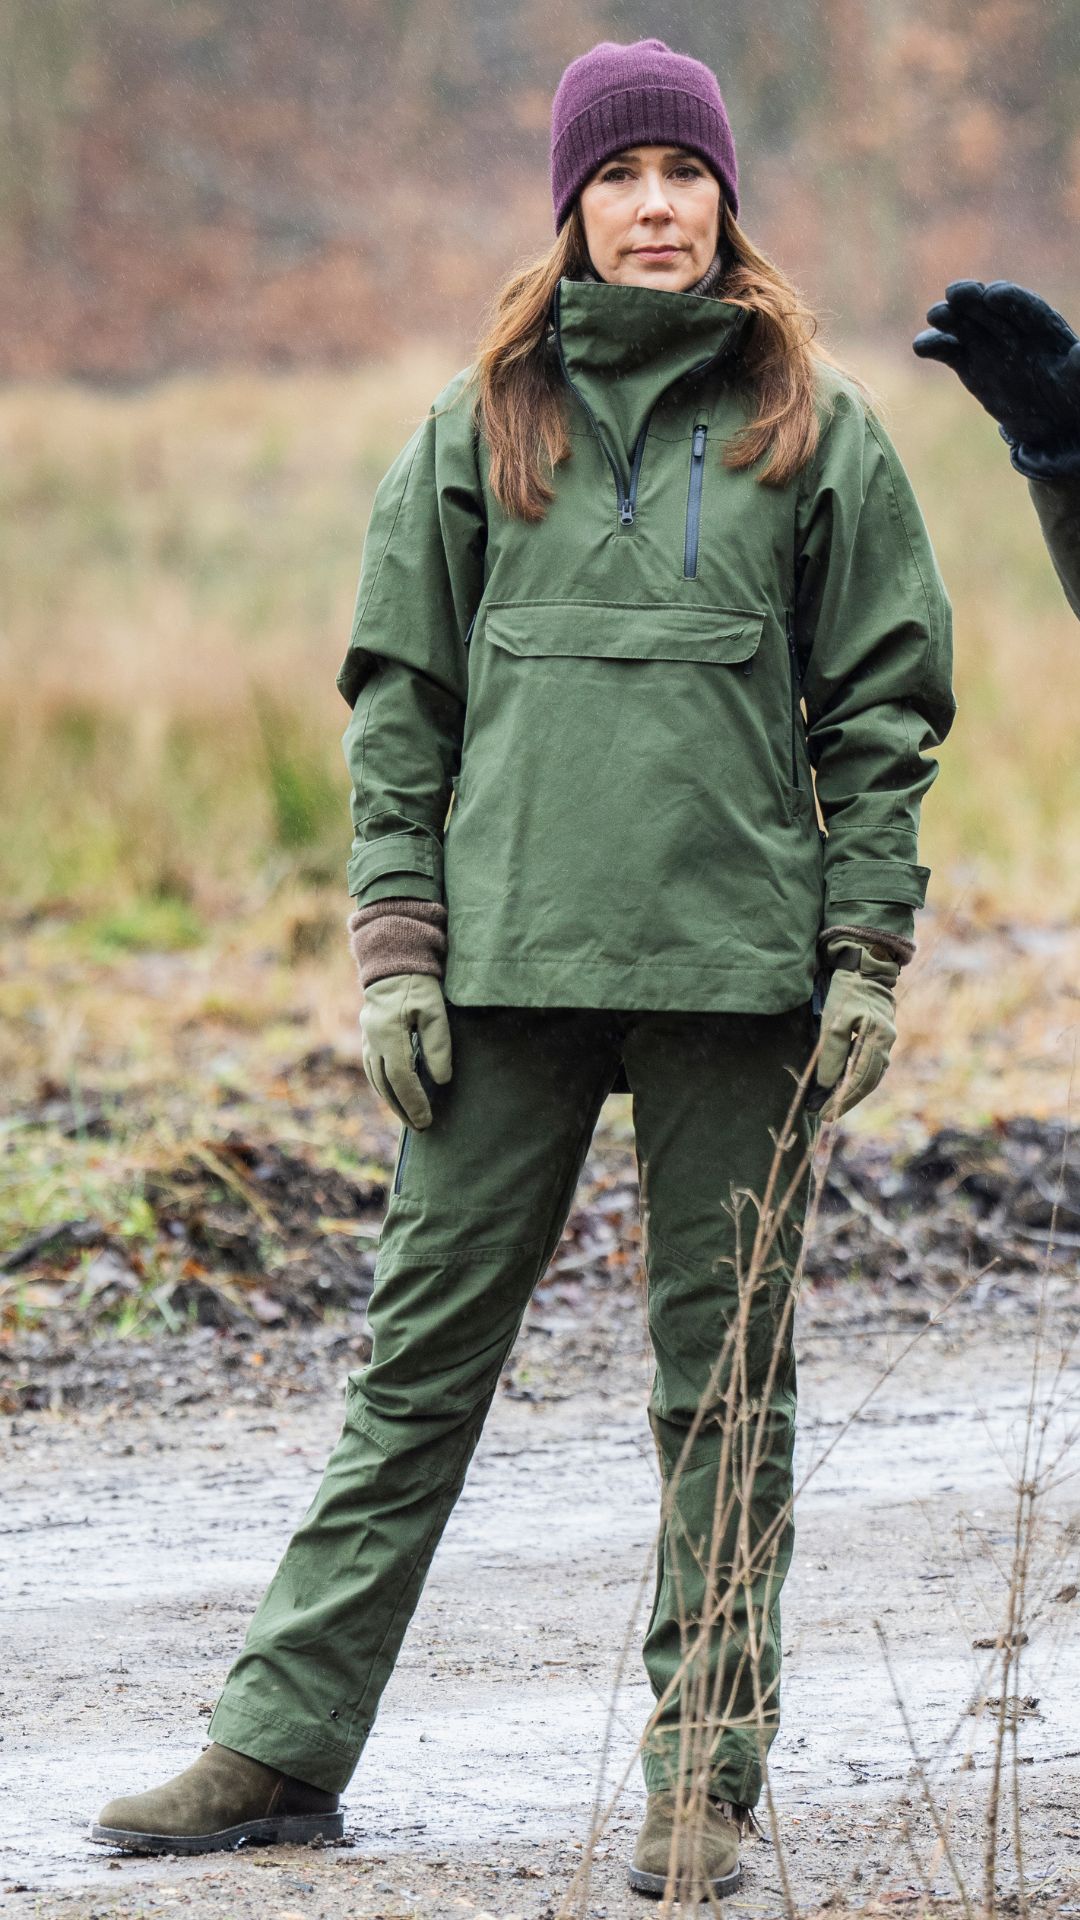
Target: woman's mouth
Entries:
(656, 253)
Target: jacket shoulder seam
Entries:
(360, 612)
(886, 453)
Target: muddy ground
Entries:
(242, 1233)
(142, 1516)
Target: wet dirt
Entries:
(135, 1538)
(243, 1234)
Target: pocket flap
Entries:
(718, 636)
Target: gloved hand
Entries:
(1021, 360)
(402, 1018)
(857, 1020)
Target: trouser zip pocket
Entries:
(403, 1154)
(693, 503)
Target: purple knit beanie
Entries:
(641, 95)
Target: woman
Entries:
(595, 587)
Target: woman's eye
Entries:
(616, 173)
(687, 172)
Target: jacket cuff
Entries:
(394, 853)
(883, 894)
(398, 936)
(893, 944)
(1043, 463)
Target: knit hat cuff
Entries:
(636, 116)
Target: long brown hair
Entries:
(520, 394)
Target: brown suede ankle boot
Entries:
(224, 1800)
(692, 1851)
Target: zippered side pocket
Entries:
(693, 502)
(796, 695)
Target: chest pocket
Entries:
(711, 636)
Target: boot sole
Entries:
(656, 1884)
(293, 1830)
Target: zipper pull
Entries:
(626, 512)
(699, 443)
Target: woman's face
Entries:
(652, 218)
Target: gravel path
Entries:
(137, 1542)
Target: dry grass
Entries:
(179, 566)
(1000, 824)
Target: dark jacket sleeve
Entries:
(873, 633)
(405, 673)
(1057, 503)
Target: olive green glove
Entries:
(406, 1035)
(857, 1022)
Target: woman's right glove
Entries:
(399, 946)
(404, 1030)
(857, 1020)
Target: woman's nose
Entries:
(654, 203)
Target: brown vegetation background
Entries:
(193, 183)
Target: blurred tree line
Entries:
(197, 182)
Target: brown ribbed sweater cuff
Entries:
(895, 945)
(398, 936)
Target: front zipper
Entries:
(628, 505)
(626, 492)
(693, 502)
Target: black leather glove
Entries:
(1021, 360)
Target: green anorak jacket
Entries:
(593, 735)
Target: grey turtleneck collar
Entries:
(708, 283)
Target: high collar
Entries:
(621, 348)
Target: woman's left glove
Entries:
(857, 1022)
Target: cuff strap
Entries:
(894, 944)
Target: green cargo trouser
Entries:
(479, 1204)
